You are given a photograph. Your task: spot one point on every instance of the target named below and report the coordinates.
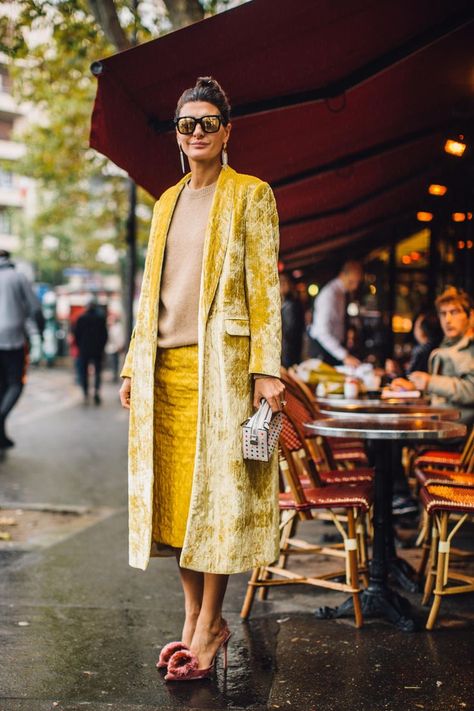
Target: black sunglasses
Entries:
(187, 124)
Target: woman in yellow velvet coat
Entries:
(187, 403)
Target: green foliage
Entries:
(82, 202)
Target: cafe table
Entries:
(364, 408)
(379, 600)
(400, 569)
(360, 402)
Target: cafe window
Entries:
(5, 81)
(5, 130)
(6, 178)
(5, 221)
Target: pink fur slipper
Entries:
(167, 652)
(182, 665)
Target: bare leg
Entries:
(193, 586)
(208, 634)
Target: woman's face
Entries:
(200, 146)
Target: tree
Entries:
(84, 199)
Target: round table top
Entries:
(389, 412)
(398, 428)
(389, 402)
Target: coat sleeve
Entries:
(128, 362)
(459, 390)
(262, 283)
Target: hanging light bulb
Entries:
(424, 216)
(455, 147)
(437, 189)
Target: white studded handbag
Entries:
(261, 432)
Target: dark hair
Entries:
(206, 89)
(430, 326)
(5, 253)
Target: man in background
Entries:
(90, 334)
(450, 380)
(328, 328)
(17, 303)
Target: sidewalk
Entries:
(80, 629)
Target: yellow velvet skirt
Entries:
(175, 424)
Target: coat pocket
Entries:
(237, 326)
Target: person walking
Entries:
(206, 347)
(90, 335)
(328, 328)
(17, 303)
(293, 322)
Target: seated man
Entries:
(450, 380)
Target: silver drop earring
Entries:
(181, 157)
(225, 157)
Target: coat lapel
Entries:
(217, 236)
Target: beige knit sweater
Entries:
(181, 277)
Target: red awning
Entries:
(342, 107)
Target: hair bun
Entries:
(207, 82)
(207, 89)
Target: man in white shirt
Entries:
(328, 331)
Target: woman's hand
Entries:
(272, 389)
(124, 393)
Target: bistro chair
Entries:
(298, 414)
(461, 476)
(446, 458)
(298, 501)
(335, 453)
(442, 502)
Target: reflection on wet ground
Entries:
(80, 629)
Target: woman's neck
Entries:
(204, 174)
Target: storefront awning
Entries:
(342, 107)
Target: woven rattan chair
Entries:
(461, 476)
(444, 459)
(347, 452)
(298, 501)
(442, 502)
(328, 453)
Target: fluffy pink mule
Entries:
(167, 652)
(184, 665)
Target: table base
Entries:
(380, 603)
(403, 574)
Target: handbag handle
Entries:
(261, 419)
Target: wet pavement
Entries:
(79, 629)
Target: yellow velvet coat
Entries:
(233, 518)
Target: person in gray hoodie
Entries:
(17, 303)
(450, 379)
